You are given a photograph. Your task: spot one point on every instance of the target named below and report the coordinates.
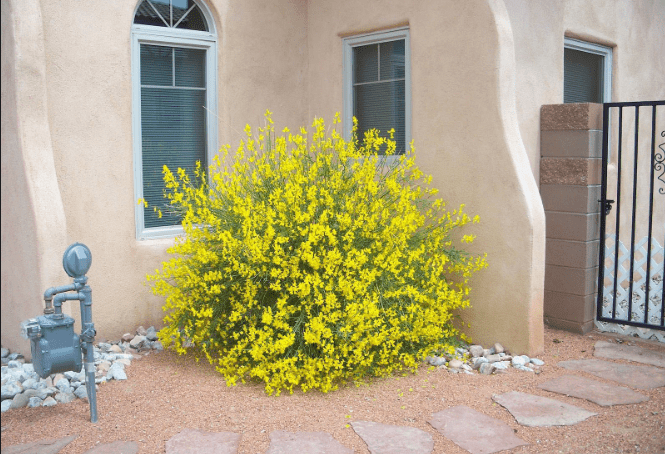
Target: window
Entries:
(587, 73)
(174, 102)
(377, 84)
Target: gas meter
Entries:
(54, 345)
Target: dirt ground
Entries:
(166, 393)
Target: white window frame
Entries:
(605, 52)
(174, 37)
(364, 40)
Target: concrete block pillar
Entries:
(570, 178)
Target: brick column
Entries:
(570, 178)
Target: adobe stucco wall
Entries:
(67, 78)
(33, 220)
(67, 159)
(466, 135)
(634, 31)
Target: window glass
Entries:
(379, 95)
(156, 65)
(392, 60)
(171, 13)
(366, 63)
(582, 77)
(173, 126)
(190, 68)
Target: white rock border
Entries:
(22, 387)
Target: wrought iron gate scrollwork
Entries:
(659, 163)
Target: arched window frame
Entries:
(175, 37)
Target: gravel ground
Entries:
(166, 393)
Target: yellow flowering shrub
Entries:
(309, 261)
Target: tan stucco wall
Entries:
(33, 220)
(67, 126)
(466, 136)
(634, 30)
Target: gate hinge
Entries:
(607, 205)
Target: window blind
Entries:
(582, 76)
(173, 125)
(379, 89)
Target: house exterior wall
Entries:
(478, 80)
(466, 136)
(33, 217)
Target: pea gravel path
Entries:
(166, 394)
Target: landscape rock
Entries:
(389, 439)
(536, 411)
(10, 390)
(116, 372)
(537, 362)
(437, 360)
(30, 383)
(15, 357)
(5, 405)
(487, 368)
(477, 362)
(34, 402)
(642, 377)
(597, 392)
(137, 342)
(127, 337)
(40, 447)
(62, 384)
(20, 401)
(455, 423)
(631, 353)
(476, 350)
(4, 352)
(455, 364)
(49, 402)
(65, 398)
(282, 442)
(151, 334)
(494, 358)
(206, 442)
(81, 392)
(518, 361)
(141, 331)
(498, 348)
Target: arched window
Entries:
(174, 101)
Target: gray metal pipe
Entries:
(62, 297)
(48, 295)
(87, 338)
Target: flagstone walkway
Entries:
(489, 435)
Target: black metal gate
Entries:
(632, 219)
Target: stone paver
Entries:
(191, 441)
(642, 377)
(117, 447)
(389, 439)
(282, 442)
(536, 411)
(609, 350)
(40, 447)
(474, 431)
(597, 392)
